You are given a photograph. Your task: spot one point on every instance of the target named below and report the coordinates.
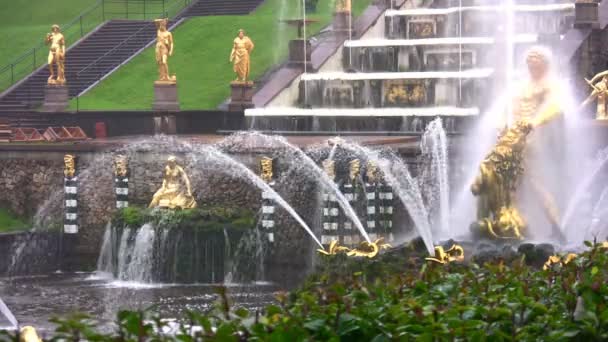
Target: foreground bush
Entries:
(349, 302)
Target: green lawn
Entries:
(202, 48)
(9, 222)
(24, 23)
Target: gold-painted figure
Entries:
(365, 249)
(56, 57)
(599, 84)
(343, 6)
(164, 50)
(240, 57)
(502, 170)
(559, 260)
(329, 166)
(121, 165)
(372, 173)
(354, 168)
(455, 253)
(266, 169)
(69, 168)
(172, 193)
(495, 185)
(29, 334)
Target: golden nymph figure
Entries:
(173, 194)
(164, 50)
(241, 51)
(69, 166)
(354, 168)
(266, 169)
(121, 165)
(56, 56)
(599, 84)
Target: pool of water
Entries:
(35, 299)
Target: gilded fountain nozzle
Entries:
(454, 254)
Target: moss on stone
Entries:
(11, 222)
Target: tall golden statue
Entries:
(343, 6)
(172, 193)
(56, 55)
(502, 171)
(266, 168)
(599, 92)
(121, 165)
(164, 50)
(239, 56)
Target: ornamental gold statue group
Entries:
(501, 172)
(239, 56)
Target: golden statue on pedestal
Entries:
(501, 172)
(56, 56)
(121, 165)
(354, 168)
(343, 6)
(69, 168)
(599, 84)
(172, 194)
(241, 50)
(266, 169)
(164, 50)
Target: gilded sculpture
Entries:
(502, 170)
(56, 57)
(559, 260)
(173, 194)
(240, 57)
(266, 169)
(372, 172)
(453, 254)
(354, 168)
(164, 50)
(69, 165)
(599, 86)
(365, 249)
(121, 165)
(329, 166)
(496, 183)
(343, 6)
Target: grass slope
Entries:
(9, 222)
(24, 23)
(202, 48)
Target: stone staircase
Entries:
(221, 7)
(102, 51)
(86, 62)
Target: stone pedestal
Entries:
(586, 14)
(343, 23)
(165, 97)
(242, 95)
(299, 53)
(55, 98)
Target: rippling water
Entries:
(35, 299)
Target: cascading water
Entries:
(434, 147)
(8, 314)
(306, 162)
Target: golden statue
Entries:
(69, 169)
(29, 334)
(239, 56)
(171, 194)
(266, 169)
(501, 171)
(366, 249)
(56, 56)
(455, 253)
(354, 168)
(329, 166)
(495, 186)
(372, 172)
(600, 92)
(343, 6)
(121, 166)
(558, 260)
(164, 50)
(396, 93)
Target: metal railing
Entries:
(89, 19)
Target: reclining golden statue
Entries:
(172, 194)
